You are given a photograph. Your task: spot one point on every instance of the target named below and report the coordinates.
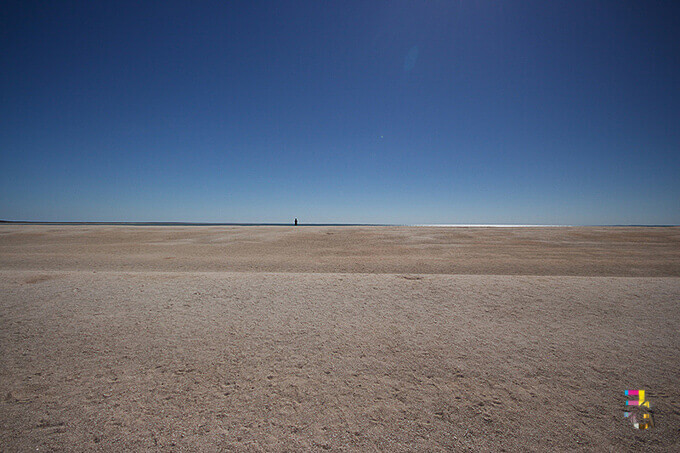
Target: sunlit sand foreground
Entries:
(337, 338)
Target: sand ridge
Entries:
(585, 251)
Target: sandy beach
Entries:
(131, 338)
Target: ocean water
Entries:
(447, 225)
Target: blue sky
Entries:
(548, 112)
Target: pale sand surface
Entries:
(424, 250)
(337, 338)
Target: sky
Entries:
(423, 112)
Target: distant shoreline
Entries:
(457, 225)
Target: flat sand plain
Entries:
(125, 338)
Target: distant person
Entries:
(295, 221)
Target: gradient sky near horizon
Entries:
(529, 112)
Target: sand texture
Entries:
(118, 338)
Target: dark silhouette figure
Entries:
(295, 221)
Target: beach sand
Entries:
(337, 338)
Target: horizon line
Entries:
(182, 223)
